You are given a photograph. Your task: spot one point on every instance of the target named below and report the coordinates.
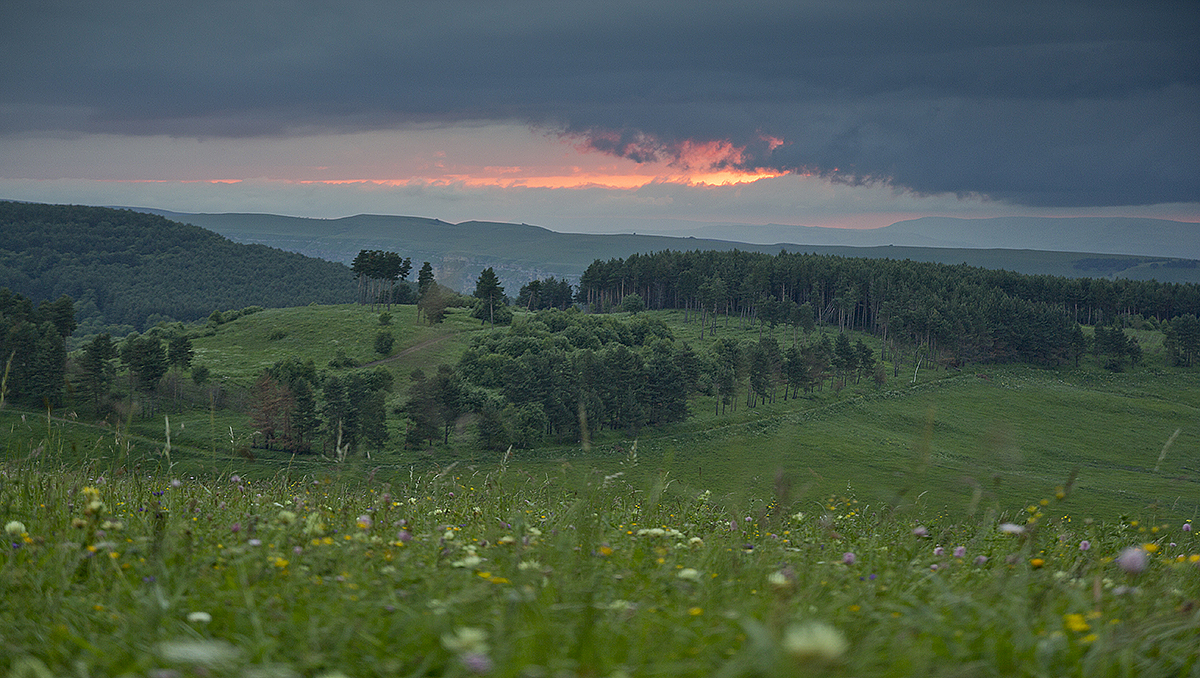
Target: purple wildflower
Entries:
(920, 532)
(960, 551)
(848, 558)
(1085, 545)
(476, 662)
(1133, 560)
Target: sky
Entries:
(606, 116)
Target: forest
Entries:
(958, 313)
(127, 270)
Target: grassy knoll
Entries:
(244, 347)
(569, 573)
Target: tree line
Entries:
(960, 313)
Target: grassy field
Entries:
(984, 439)
(996, 521)
(571, 573)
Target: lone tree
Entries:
(488, 290)
(424, 279)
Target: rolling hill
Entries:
(521, 252)
(127, 270)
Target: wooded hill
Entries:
(128, 270)
(959, 313)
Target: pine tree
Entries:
(97, 369)
(489, 291)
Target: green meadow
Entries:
(990, 521)
(985, 438)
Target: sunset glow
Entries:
(687, 163)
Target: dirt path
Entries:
(411, 349)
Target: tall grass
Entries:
(570, 572)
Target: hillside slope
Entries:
(127, 269)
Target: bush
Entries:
(384, 342)
(632, 303)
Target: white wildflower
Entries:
(814, 642)
(466, 639)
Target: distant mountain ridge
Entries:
(1099, 235)
(521, 252)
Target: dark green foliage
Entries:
(550, 293)
(45, 381)
(489, 291)
(421, 410)
(434, 302)
(121, 267)
(283, 405)
(498, 315)
(32, 348)
(378, 272)
(572, 374)
(384, 341)
(955, 314)
(179, 351)
(97, 370)
(146, 359)
(354, 411)
(864, 359)
(200, 374)
(632, 303)
(1183, 340)
(1112, 348)
(424, 279)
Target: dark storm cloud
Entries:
(1043, 103)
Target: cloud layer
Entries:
(1042, 104)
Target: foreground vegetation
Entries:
(570, 573)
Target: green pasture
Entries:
(986, 439)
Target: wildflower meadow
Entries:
(462, 571)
